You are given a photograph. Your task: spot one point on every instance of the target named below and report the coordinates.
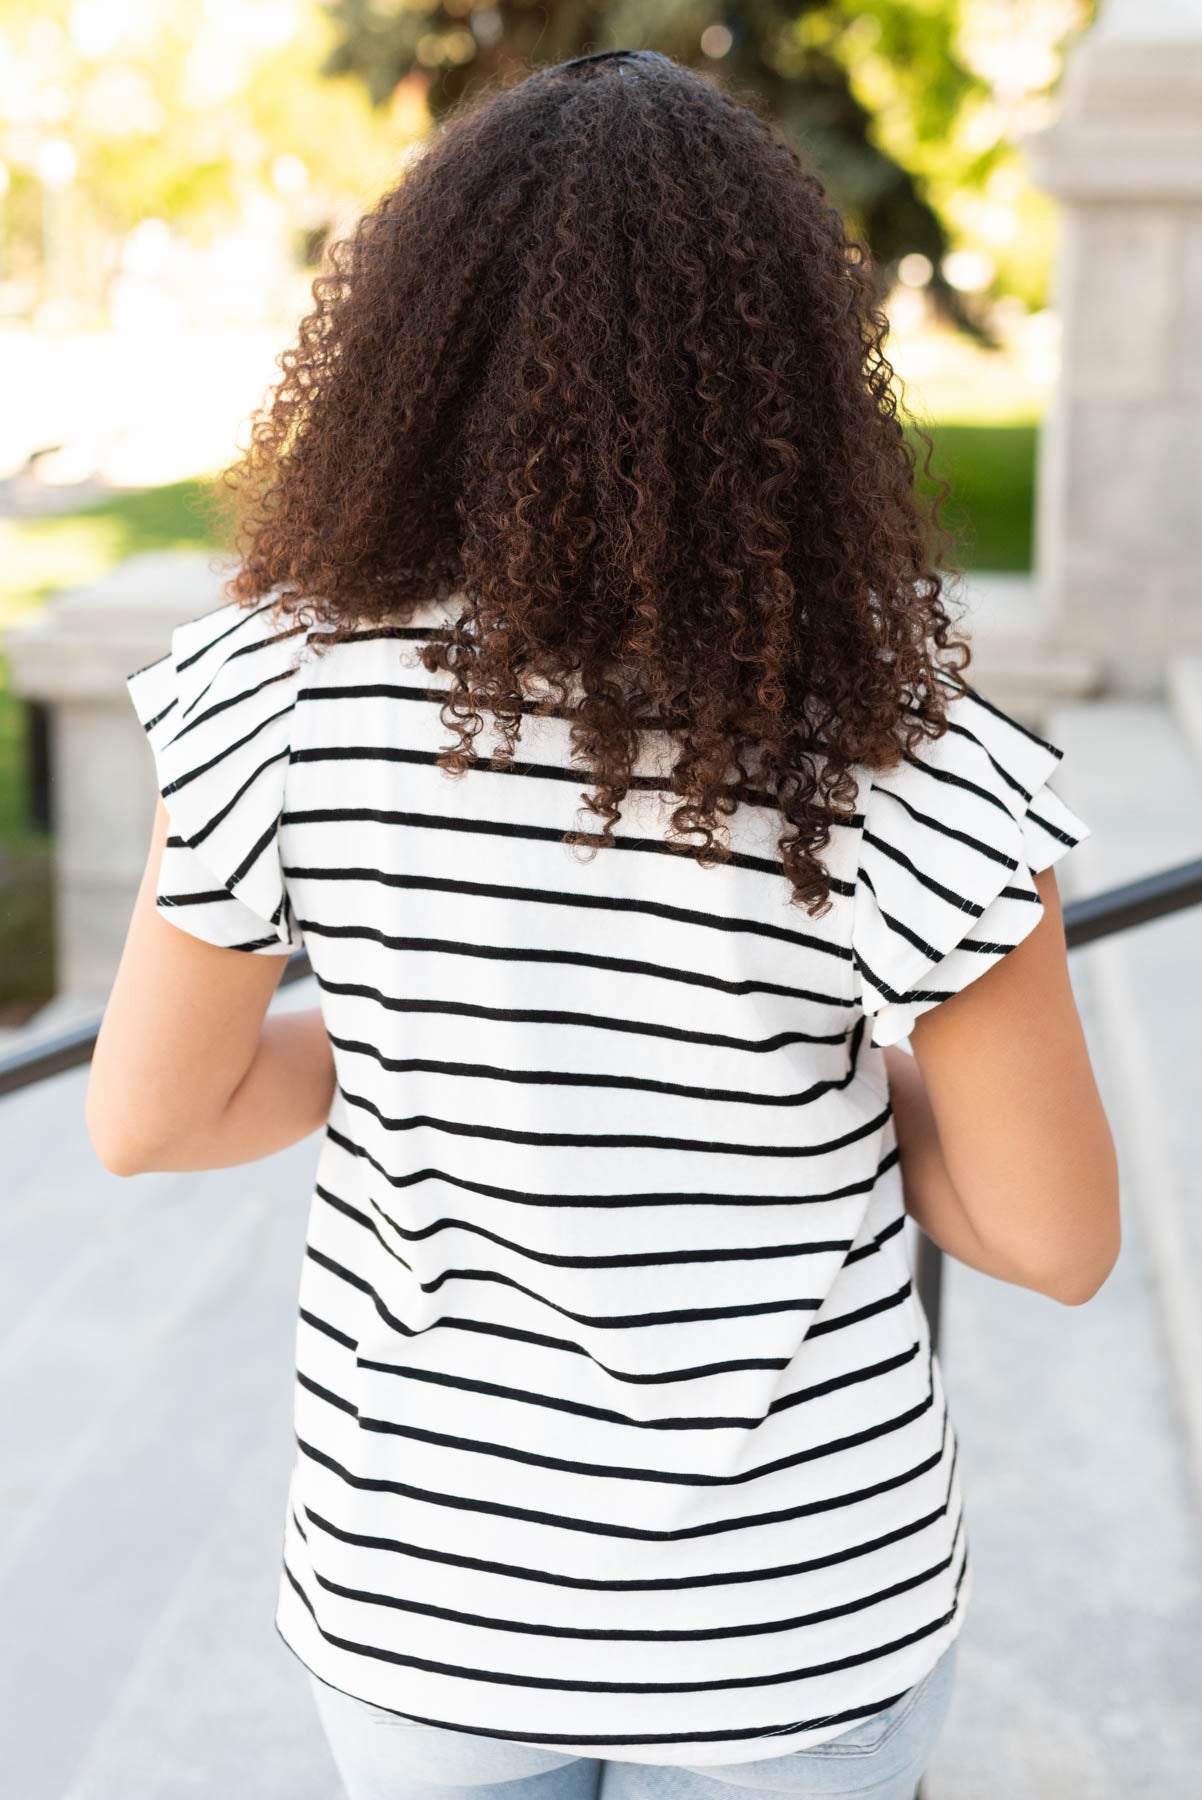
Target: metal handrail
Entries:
(1099, 915)
(1096, 916)
(1085, 921)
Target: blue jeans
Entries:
(382, 1756)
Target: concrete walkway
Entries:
(1080, 1658)
(145, 1394)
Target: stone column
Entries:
(1119, 514)
(75, 657)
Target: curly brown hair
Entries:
(606, 364)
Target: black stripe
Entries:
(426, 694)
(779, 1733)
(584, 1140)
(687, 1315)
(596, 902)
(540, 834)
(630, 1259)
(249, 613)
(253, 854)
(331, 1331)
(841, 1320)
(408, 633)
(199, 769)
(653, 1584)
(562, 1683)
(221, 706)
(882, 1236)
(950, 831)
(583, 959)
(521, 1198)
(486, 1328)
(524, 1015)
(608, 1416)
(202, 897)
(616, 1471)
(326, 1394)
(242, 650)
(223, 812)
(960, 781)
(1015, 723)
(605, 1528)
(1011, 781)
(150, 725)
(678, 1635)
(1064, 837)
(577, 776)
(961, 903)
(420, 1065)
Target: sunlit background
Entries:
(172, 171)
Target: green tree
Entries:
(874, 91)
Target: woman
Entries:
(587, 706)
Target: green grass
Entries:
(38, 556)
(991, 469)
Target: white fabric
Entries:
(619, 1428)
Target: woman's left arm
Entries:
(189, 1072)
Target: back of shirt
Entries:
(618, 1420)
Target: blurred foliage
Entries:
(179, 110)
(186, 110)
(907, 107)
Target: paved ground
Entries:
(145, 1384)
(1080, 1656)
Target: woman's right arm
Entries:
(1008, 1161)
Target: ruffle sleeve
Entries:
(217, 709)
(951, 840)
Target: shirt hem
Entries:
(685, 1752)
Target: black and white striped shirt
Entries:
(618, 1424)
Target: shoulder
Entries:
(217, 709)
(222, 657)
(984, 755)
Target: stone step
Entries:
(1015, 661)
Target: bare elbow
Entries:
(1085, 1275)
(119, 1151)
(116, 1155)
(1076, 1288)
(1069, 1265)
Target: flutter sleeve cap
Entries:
(951, 840)
(217, 709)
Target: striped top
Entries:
(618, 1424)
